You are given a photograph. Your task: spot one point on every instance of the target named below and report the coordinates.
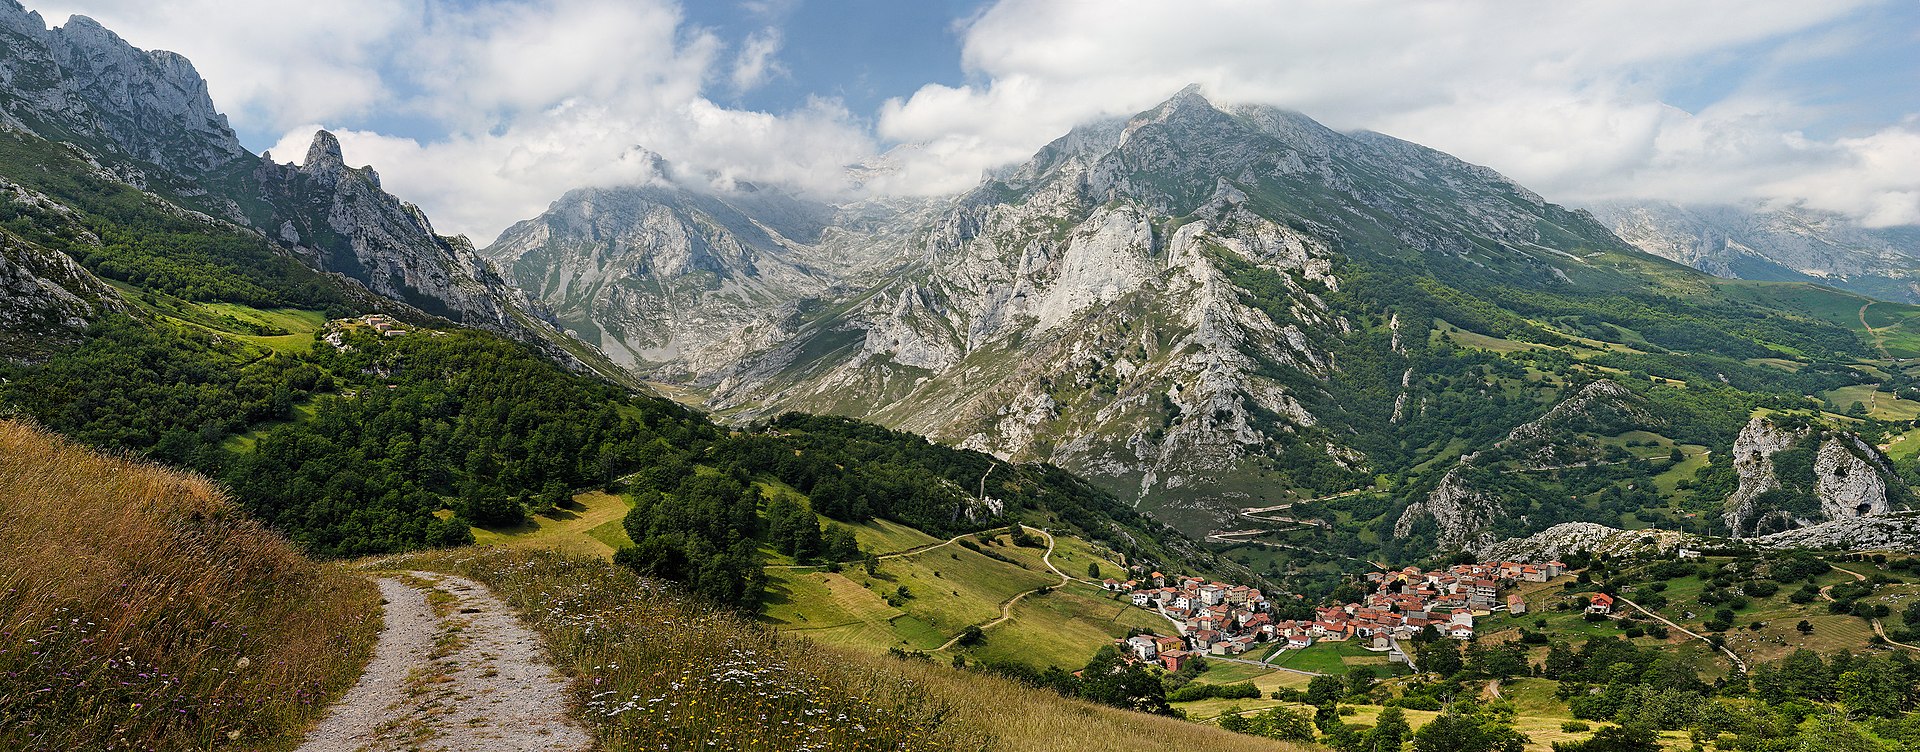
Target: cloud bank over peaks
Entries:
(1567, 98)
(484, 111)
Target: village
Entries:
(1217, 619)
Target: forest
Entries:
(392, 444)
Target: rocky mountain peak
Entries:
(324, 156)
(84, 80)
(16, 18)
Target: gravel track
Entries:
(453, 671)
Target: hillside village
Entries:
(1215, 618)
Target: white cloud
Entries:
(1564, 97)
(514, 102)
(756, 63)
(524, 99)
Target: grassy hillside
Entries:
(951, 585)
(659, 670)
(139, 609)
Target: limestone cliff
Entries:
(1804, 475)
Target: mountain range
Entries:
(1791, 243)
(1203, 308)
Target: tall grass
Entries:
(139, 610)
(657, 670)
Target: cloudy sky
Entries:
(484, 111)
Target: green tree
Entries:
(1561, 661)
(1093, 570)
(1441, 657)
(1456, 732)
(1360, 679)
(1283, 724)
(1873, 687)
(1324, 691)
(1615, 739)
(1390, 732)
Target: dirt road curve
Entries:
(454, 670)
(1826, 593)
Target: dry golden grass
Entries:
(140, 610)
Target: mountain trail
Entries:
(1826, 594)
(454, 670)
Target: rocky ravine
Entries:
(46, 300)
(1463, 514)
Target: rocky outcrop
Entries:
(1461, 513)
(1753, 452)
(1844, 478)
(1566, 538)
(46, 300)
(342, 221)
(1899, 531)
(1847, 485)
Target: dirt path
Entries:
(454, 670)
(1731, 656)
(1826, 594)
(1879, 343)
(882, 557)
(1006, 609)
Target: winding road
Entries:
(1826, 594)
(1006, 608)
(1879, 343)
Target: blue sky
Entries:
(483, 111)
(860, 51)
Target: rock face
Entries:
(1160, 302)
(341, 220)
(1792, 243)
(82, 81)
(665, 278)
(1846, 484)
(1845, 477)
(1753, 460)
